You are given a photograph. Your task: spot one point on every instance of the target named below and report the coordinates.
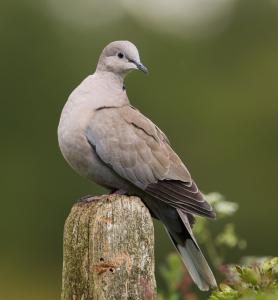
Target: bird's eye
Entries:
(120, 55)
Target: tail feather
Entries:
(191, 254)
(197, 265)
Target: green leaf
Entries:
(238, 269)
(250, 275)
(269, 264)
(225, 288)
(225, 292)
(227, 237)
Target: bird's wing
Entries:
(138, 151)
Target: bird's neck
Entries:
(117, 80)
(106, 89)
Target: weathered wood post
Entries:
(109, 251)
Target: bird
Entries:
(107, 140)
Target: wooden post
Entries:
(109, 250)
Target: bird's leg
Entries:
(84, 198)
(118, 192)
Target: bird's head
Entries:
(120, 57)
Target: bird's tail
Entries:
(190, 252)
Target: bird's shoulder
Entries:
(128, 115)
(134, 117)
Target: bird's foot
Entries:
(118, 192)
(90, 198)
(86, 199)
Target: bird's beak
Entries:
(140, 66)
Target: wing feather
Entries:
(139, 152)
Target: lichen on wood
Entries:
(109, 250)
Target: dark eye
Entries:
(120, 55)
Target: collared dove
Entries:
(112, 143)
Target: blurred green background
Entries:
(213, 88)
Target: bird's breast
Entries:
(72, 140)
(77, 151)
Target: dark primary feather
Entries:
(181, 195)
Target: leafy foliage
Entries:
(257, 280)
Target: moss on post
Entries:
(109, 250)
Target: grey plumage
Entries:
(110, 142)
